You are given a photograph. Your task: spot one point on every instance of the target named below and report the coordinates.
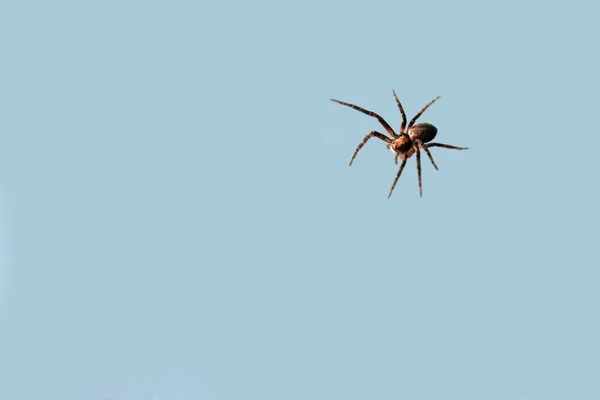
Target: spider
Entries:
(410, 140)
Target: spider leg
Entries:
(419, 169)
(369, 136)
(424, 147)
(403, 115)
(446, 146)
(397, 176)
(387, 127)
(412, 121)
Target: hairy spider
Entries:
(410, 140)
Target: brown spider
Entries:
(408, 142)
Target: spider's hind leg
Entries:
(424, 147)
(412, 121)
(419, 169)
(446, 146)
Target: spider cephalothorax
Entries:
(410, 140)
(402, 144)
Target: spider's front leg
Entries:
(401, 113)
(382, 121)
(397, 176)
(369, 136)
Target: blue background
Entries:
(178, 219)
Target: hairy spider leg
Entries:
(446, 146)
(397, 176)
(419, 170)
(412, 121)
(369, 136)
(387, 127)
(421, 145)
(402, 113)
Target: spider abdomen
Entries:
(424, 131)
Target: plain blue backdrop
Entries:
(178, 219)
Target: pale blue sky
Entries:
(179, 221)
